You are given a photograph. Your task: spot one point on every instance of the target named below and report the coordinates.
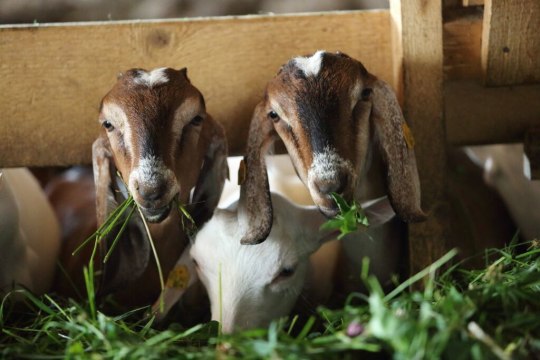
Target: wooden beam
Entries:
(53, 76)
(478, 115)
(422, 44)
(511, 42)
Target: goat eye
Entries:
(107, 125)
(366, 94)
(285, 273)
(197, 120)
(274, 116)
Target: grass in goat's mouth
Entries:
(349, 218)
(121, 217)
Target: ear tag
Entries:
(407, 134)
(242, 172)
(178, 278)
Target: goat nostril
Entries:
(152, 193)
(332, 185)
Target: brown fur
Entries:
(199, 162)
(318, 112)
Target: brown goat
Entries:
(165, 148)
(331, 114)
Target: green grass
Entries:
(460, 314)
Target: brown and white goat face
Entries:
(149, 117)
(330, 112)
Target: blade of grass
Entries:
(120, 232)
(420, 275)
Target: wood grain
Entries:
(53, 76)
(422, 44)
(478, 115)
(511, 42)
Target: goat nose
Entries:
(152, 193)
(336, 185)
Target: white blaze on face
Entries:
(114, 114)
(310, 65)
(151, 78)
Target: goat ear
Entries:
(104, 172)
(181, 277)
(397, 148)
(131, 256)
(213, 172)
(255, 206)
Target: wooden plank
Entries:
(511, 42)
(53, 76)
(478, 115)
(421, 23)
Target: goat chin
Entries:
(30, 233)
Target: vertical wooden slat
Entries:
(511, 42)
(422, 61)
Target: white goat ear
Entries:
(255, 206)
(181, 277)
(397, 148)
(213, 173)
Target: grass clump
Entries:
(349, 218)
(490, 313)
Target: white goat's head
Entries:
(249, 286)
(329, 111)
(157, 129)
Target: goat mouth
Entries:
(329, 212)
(156, 215)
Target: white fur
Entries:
(310, 65)
(152, 78)
(29, 233)
(355, 94)
(148, 172)
(326, 166)
(118, 118)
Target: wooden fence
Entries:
(439, 55)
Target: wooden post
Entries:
(422, 63)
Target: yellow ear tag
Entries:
(241, 172)
(178, 277)
(409, 139)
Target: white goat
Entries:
(157, 135)
(249, 286)
(503, 170)
(29, 233)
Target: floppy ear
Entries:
(181, 277)
(255, 206)
(104, 171)
(132, 253)
(213, 172)
(397, 148)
